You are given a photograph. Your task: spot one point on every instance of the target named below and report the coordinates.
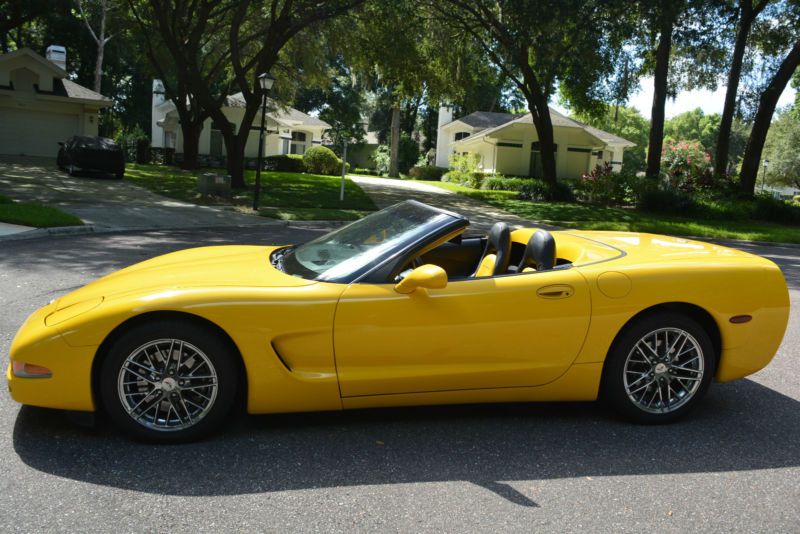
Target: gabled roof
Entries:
(487, 123)
(57, 71)
(486, 119)
(278, 112)
(73, 90)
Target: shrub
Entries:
(604, 186)
(285, 163)
(464, 170)
(426, 172)
(322, 160)
(501, 183)
(687, 164)
(768, 208)
(368, 172)
(538, 189)
(408, 155)
(665, 200)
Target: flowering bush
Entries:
(687, 164)
(604, 186)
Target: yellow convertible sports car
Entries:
(400, 308)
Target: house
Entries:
(288, 131)
(508, 144)
(40, 105)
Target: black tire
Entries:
(214, 353)
(613, 387)
(119, 175)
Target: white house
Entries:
(40, 105)
(289, 131)
(508, 144)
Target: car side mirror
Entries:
(428, 276)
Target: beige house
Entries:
(289, 131)
(508, 144)
(40, 106)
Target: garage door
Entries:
(34, 133)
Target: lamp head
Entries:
(266, 80)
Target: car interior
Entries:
(497, 253)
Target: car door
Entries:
(505, 331)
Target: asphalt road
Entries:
(733, 466)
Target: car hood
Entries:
(230, 265)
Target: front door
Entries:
(507, 331)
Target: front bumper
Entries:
(70, 386)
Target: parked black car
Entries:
(83, 153)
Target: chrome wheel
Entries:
(167, 385)
(663, 370)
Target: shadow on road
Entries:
(740, 426)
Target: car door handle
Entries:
(560, 291)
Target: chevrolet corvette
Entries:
(403, 308)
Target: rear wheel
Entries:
(169, 382)
(659, 368)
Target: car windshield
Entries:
(352, 249)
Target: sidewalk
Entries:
(11, 229)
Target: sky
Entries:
(708, 101)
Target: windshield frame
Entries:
(381, 270)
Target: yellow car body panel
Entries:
(306, 345)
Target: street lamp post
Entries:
(265, 81)
(764, 175)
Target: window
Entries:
(461, 135)
(298, 143)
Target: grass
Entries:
(284, 195)
(591, 217)
(33, 214)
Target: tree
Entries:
(747, 12)
(780, 40)
(683, 47)
(542, 44)
(781, 150)
(172, 29)
(100, 10)
(14, 13)
(694, 126)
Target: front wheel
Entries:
(659, 368)
(169, 382)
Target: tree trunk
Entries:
(726, 122)
(234, 152)
(394, 162)
(191, 143)
(656, 141)
(540, 113)
(101, 46)
(766, 108)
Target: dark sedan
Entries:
(98, 154)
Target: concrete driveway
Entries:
(733, 466)
(107, 203)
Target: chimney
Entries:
(57, 54)
(442, 138)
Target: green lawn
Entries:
(284, 195)
(33, 214)
(590, 217)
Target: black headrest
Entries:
(500, 242)
(540, 252)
